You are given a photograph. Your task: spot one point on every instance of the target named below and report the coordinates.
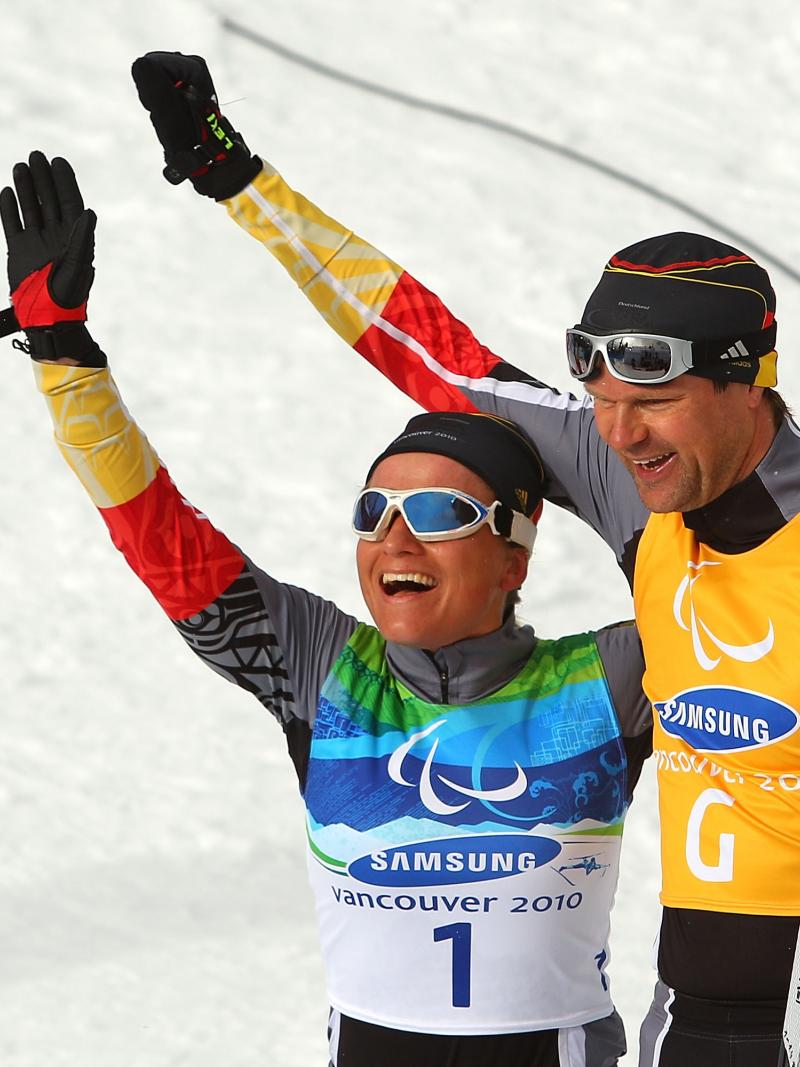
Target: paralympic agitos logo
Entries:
(725, 719)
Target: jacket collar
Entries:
(467, 670)
(751, 511)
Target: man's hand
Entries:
(198, 141)
(50, 238)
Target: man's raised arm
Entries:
(379, 309)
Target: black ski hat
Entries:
(490, 446)
(696, 288)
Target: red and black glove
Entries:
(199, 142)
(50, 238)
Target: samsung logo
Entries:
(718, 718)
(455, 860)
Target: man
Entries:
(465, 782)
(683, 445)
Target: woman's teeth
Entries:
(409, 580)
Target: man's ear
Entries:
(516, 568)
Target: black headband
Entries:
(491, 447)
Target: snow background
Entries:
(153, 901)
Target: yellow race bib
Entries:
(721, 637)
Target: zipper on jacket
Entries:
(444, 678)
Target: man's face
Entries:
(429, 594)
(684, 443)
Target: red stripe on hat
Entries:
(615, 261)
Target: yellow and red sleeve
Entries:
(184, 561)
(385, 314)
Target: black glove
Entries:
(199, 143)
(50, 259)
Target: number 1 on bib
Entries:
(461, 936)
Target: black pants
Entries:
(360, 1044)
(681, 1031)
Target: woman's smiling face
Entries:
(429, 594)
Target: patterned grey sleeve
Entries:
(274, 640)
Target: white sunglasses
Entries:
(437, 514)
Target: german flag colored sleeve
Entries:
(387, 316)
(274, 640)
(407, 333)
(183, 560)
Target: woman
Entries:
(465, 782)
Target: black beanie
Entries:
(491, 447)
(689, 286)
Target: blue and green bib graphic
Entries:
(401, 792)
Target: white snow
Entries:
(153, 900)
